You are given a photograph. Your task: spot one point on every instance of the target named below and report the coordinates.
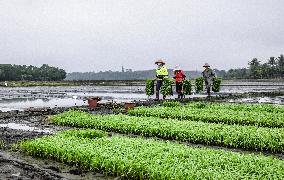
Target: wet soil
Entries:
(15, 164)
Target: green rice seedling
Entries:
(2, 144)
(187, 87)
(149, 87)
(138, 158)
(272, 108)
(246, 137)
(171, 104)
(201, 112)
(216, 86)
(166, 88)
(199, 84)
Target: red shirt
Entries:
(179, 76)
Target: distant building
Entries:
(128, 70)
(122, 69)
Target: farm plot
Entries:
(237, 107)
(249, 127)
(138, 158)
(246, 137)
(258, 115)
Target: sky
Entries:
(99, 35)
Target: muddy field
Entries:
(18, 121)
(20, 98)
(17, 126)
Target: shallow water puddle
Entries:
(268, 100)
(24, 127)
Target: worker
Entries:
(208, 76)
(179, 76)
(161, 74)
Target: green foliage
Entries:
(171, 103)
(15, 146)
(213, 114)
(118, 76)
(198, 105)
(271, 108)
(240, 73)
(246, 137)
(2, 144)
(216, 84)
(166, 89)
(84, 134)
(149, 87)
(255, 69)
(139, 158)
(187, 88)
(199, 84)
(272, 68)
(9, 72)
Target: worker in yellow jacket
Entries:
(161, 74)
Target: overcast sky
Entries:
(94, 35)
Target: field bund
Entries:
(248, 127)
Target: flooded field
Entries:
(16, 126)
(20, 98)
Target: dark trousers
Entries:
(208, 87)
(179, 89)
(158, 87)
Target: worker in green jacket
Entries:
(161, 74)
(208, 75)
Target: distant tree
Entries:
(272, 61)
(220, 73)
(255, 69)
(10, 72)
(271, 69)
(266, 71)
(280, 66)
(241, 73)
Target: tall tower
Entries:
(122, 68)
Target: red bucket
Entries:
(129, 105)
(93, 102)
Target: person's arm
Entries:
(213, 73)
(167, 73)
(183, 75)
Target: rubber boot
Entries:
(208, 92)
(157, 96)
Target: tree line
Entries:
(273, 68)
(133, 75)
(12, 72)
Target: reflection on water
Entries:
(21, 104)
(110, 95)
(269, 100)
(20, 98)
(24, 127)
